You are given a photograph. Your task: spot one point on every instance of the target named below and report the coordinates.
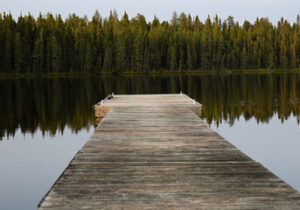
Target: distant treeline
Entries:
(49, 44)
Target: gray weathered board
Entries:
(154, 152)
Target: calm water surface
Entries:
(45, 121)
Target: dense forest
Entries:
(49, 44)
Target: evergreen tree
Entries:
(50, 44)
(107, 62)
(172, 59)
(18, 56)
(56, 54)
(7, 59)
(244, 59)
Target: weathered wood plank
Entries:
(154, 152)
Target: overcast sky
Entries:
(163, 9)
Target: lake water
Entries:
(45, 121)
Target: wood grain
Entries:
(150, 152)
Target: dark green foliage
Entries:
(48, 44)
(51, 104)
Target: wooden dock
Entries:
(154, 152)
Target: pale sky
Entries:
(163, 9)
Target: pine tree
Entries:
(50, 44)
(56, 54)
(88, 64)
(107, 62)
(18, 56)
(173, 59)
(38, 55)
(270, 62)
(121, 62)
(244, 59)
(7, 59)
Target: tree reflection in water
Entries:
(51, 104)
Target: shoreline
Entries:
(145, 73)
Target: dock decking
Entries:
(154, 152)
